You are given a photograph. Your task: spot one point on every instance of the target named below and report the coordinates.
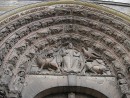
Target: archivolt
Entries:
(26, 32)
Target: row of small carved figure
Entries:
(108, 41)
(120, 38)
(73, 11)
(14, 60)
(125, 58)
(9, 46)
(24, 33)
(15, 79)
(20, 50)
(122, 82)
(120, 52)
(37, 16)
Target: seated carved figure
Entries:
(72, 60)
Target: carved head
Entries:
(6, 72)
(70, 46)
(120, 75)
(21, 73)
(21, 80)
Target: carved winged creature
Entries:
(90, 54)
(46, 63)
(94, 62)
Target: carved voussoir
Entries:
(126, 60)
(118, 50)
(108, 56)
(127, 44)
(20, 50)
(108, 41)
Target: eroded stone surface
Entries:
(64, 41)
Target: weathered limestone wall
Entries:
(36, 84)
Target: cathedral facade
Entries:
(64, 49)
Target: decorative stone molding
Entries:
(35, 40)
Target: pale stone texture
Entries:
(36, 84)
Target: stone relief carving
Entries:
(5, 79)
(39, 25)
(2, 94)
(126, 30)
(127, 44)
(68, 59)
(35, 26)
(106, 30)
(117, 24)
(108, 55)
(93, 16)
(4, 32)
(13, 60)
(20, 50)
(121, 38)
(69, 28)
(56, 61)
(105, 20)
(108, 41)
(96, 36)
(99, 48)
(8, 46)
(54, 30)
(97, 67)
(28, 42)
(3, 52)
(119, 50)
(30, 56)
(16, 24)
(11, 27)
(122, 82)
(72, 60)
(25, 20)
(18, 80)
(36, 16)
(126, 60)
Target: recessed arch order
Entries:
(27, 30)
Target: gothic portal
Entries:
(64, 49)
